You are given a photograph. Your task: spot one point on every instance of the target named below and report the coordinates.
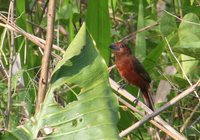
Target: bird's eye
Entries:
(122, 46)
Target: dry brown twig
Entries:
(36, 40)
(184, 74)
(129, 37)
(164, 107)
(151, 121)
(193, 23)
(9, 103)
(43, 82)
(189, 118)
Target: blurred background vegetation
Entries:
(157, 30)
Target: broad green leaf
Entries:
(191, 49)
(64, 12)
(189, 38)
(191, 26)
(98, 24)
(167, 24)
(140, 50)
(151, 60)
(93, 115)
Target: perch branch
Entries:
(158, 111)
(130, 97)
(151, 121)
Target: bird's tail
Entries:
(148, 99)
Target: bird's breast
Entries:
(125, 68)
(128, 72)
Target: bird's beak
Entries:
(114, 47)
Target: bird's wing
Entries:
(140, 70)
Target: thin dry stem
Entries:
(151, 121)
(189, 118)
(129, 37)
(2, 54)
(9, 103)
(158, 111)
(36, 40)
(184, 74)
(181, 19)
(47, 53)
(111, 67)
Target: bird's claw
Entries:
(136, 101)
(121, 86)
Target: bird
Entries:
(132, 71)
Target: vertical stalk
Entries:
(8, 110)
(47, 53)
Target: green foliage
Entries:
(167, 25)
(93, 115)
(140, 50)
(79, 103)
(189, 36)
(98, 24)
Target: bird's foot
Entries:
(136, 101)
(121, 86)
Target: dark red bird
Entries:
(132, 71)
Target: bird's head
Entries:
(120, 48)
